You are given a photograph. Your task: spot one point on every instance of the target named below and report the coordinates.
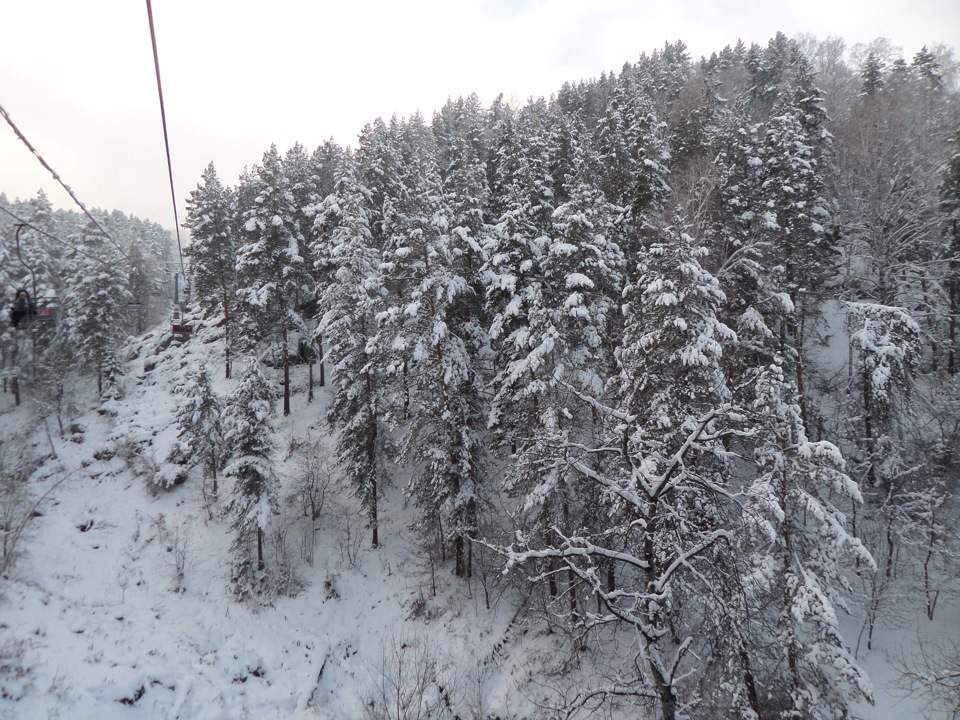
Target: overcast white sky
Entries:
(78, 77)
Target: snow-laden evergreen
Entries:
(254, 501)
(351, 303)
(211, 219)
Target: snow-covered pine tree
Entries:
(37, 247)
(650, 189)
(326, 161)
(304, 179)
(513, 280)
(658, 468)
(96, 298)
(927, 70)
(531, 165)
(211, 212)
(739, 232)
(885, 353)
(871, 75)
(273, 280)
(673, 341)
(254, 499)
(350, 301)
(378, 156)
(200, 426)
(572, 335)
(432, 341)
(950, 218)
(613, 143)
(801, 257)
(798, 542)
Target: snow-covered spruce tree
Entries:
(96, 298)
(141, 282)
(658, 470)
(884, 355)
(673, 340)
(304, 180)
(650, 190)
(613, 142)
(522, 162)
(273, 280)
(562, 346)
(433, 338)
(739, 213)
(801, 257)
(797, 545)
(350, 301)
(200, 427)
(211, 212)
(950, 218)
(565, 134)
(378, 157)
(249, 437)
(326, 161)
(871, 75)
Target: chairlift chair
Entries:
(179, 324)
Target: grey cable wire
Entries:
(56, 177)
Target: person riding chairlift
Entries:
(22, 307)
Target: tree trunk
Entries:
(459, 563)
(932, 595)
(668, 699)
(868, 429)
(226, 334)
(323, 379)
(954, 295)
(286, 373)
(372, 429)
(226, 311)
(374, 519)
(310, 381)
(752, 697)
(801, 397)
(571, 576)
(259, 549)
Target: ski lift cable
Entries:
(57, 177)
(166, 137)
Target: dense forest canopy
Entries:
(694, 324)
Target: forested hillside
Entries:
(675, 349)
(103, 277)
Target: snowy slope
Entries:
(93, 613)
(95, 621)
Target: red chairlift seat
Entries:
(46, 309)
(179, 324)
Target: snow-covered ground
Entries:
(119, 604)
(95, 616)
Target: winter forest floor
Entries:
(119, 606)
